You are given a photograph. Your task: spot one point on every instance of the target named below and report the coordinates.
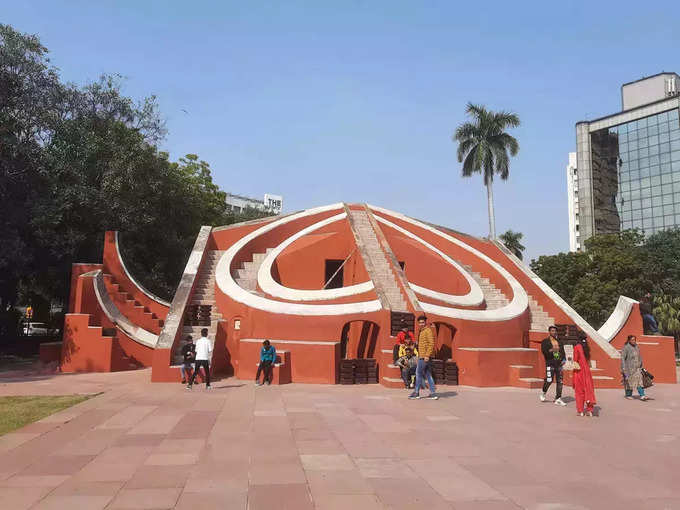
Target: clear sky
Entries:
(356, 101)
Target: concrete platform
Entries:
(143, 445)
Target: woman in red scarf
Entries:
(584, 391)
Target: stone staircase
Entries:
(204, 296)
(493, 297)
(376, 262)
(540, 320)
(246, 275)
(131, 308)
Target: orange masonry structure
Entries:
(334, 283)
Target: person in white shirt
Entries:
(202, 359)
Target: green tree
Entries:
(483, 147)
(512, 241)
(76, 161)
(592, 281)
(667, 313)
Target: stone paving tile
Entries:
(384, 468)
(171, 459)
(339, 462)
(21, 498)
(34, 481)
(98, 471)
(348, 501)
(276, 473)
(14, 439)
(338, 482)
(158, 477)
(76, 487)
(127, 417)
(139, 440)
(279, 497)
(395, 494)
(58, 465)
(145, 499)
(81, 502)
(213, 500)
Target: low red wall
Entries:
(309, 362)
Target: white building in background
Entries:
(270, 203)
(572, 200)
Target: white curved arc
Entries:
(226, 283)
(148, 293)
(136, 333)
(273, 288)
(617, 319)
(473, 298)
(520, 300)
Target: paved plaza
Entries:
(297, 447)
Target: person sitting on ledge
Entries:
(188, 353)
(403, 337)
(407, 362)
(267, 360)
(649, 324)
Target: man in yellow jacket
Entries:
(426, 339)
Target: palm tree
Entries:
(483, 147)
(511, 240)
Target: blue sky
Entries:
(356, 101)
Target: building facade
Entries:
(628, 164)
(270, 203)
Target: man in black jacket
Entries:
(553, 352)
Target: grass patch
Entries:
(15, 412)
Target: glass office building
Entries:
(628, 167)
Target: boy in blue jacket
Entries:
(267, 360)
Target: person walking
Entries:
(188, 352)
(649, 323)
(202, 357)
(553, 352)
(584, 389)
(267, 360)
(631, 368)
(426, 339)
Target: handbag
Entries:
(647, 378)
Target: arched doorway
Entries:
(444, 341)
(359, 340)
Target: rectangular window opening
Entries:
(332, 274)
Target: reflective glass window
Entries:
(655, 180)
(666, 178)
(653, 130)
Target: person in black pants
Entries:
(553, 352)
(267, 360)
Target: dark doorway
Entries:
(334, 274)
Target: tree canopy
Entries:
(627, 263)
(512, 241)
(76, 161)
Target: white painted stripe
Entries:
(311, 342)
(473, 298)
(227, 285)
(272, 287)
(516, 307)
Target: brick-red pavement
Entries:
(144, 445)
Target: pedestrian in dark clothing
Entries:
(553, 352)
(649, 324)
(188, 354)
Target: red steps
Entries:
(132, 309)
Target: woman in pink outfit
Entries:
(584, 390)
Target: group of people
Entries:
(632, 371)
(413, 358)
(194, 357)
